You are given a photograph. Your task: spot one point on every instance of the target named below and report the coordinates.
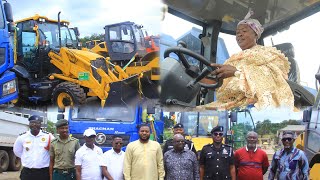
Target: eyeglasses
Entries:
(287, 139)
(216, 134)
(118, 143)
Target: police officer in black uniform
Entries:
(216, 159)
(178, 129)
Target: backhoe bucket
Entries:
(123, 91)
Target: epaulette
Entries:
(73, 138)
(46, 132)
(207, 145)
(22, 133)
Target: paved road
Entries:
(10, 175)
(15, 176)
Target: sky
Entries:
(91, 16)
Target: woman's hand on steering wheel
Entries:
(223, 70)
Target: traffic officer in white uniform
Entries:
(33, 149)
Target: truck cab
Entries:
(309, 140)
(8, 84)
(114, 120)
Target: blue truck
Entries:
(113, 120)
(8, 90)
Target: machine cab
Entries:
(217, 20)
(36, 36)
(124, 40)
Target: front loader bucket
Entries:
(123, 91)
(149, 88)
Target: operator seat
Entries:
(302, 97)
(288, 50)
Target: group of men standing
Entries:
(62, 158)
(218, 161)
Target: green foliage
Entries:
(240, 132)
(92, 37)
(167, 134)
(168, 122)
(51, 127)
(266, 127)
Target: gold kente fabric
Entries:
(262, 81)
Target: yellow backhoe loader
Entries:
(126, 46)
(50, 67)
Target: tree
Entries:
(264, 127)
(51, 127)
(92, 37)
(167, 122)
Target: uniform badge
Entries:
(27, 149)
(43, 139)
(224, 151)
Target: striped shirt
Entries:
(292, 165)
(250, 163)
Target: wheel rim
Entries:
(64, 99)
(17, 161)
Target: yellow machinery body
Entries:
(148, 65)
(72, 63)
(315, 170)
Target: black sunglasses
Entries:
(119, 143)
(179, 141)
(287, 139)
(216, 134)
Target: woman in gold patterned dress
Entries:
(256, 75)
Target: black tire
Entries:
(75, 93)
(24, 92)
(14, 162)
(4, 161)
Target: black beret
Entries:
(178, 125)
(61, 122)
(217, 129)
(35, 118)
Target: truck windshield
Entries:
(207, 121)
(51, 31)
(110, 114)
(2, 25)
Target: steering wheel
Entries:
(180, 51)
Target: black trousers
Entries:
(33, 174)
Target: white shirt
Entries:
(114, 162)
(90, 161)
(33, 150)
